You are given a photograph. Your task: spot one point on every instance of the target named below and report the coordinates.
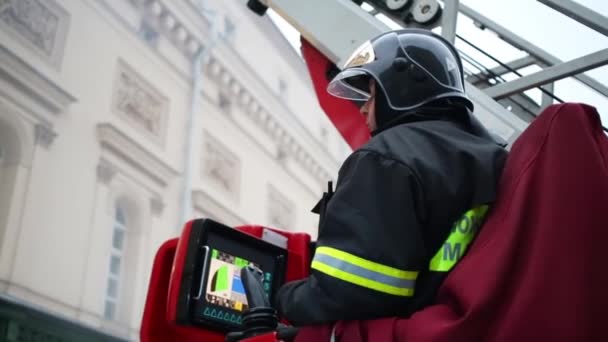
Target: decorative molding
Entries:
(282, 154)
(281, 211)
(140, 103)
(282, 88)
(44, 135)
(156, 206)
(221, 166)
(266, 122)
(123, 146)
(224, 102)
(179, 34)
(149, 34)
(30, 82)
(105, 172)
(41, 25)
(206, 203)
(160, 17)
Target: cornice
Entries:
(38, 87)
(160, 14)
(120, 144)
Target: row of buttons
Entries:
(267, 282)
(222, 315)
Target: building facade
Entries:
(106, 147)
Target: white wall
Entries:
(79, 155)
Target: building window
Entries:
(116, 264)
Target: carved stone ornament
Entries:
(281, 211)
(221, 166)
(139, 102)
(42, 23)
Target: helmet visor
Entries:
(351, 85)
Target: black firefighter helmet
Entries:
(412, 68)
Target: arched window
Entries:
(117, 253)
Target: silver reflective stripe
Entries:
(363, 272)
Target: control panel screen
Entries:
(225, 288)
(219, 296)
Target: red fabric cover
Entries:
(342, 113)
(537, 270)
(155, 323)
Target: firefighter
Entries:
(409, 202)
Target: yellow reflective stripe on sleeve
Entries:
(356, 270)
(361, 281)
(369, 265)
(463, 232)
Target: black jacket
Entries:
(396, 202)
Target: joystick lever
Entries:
(260, 318)
(252, 277)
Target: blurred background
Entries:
(120, 120)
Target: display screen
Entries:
(224, 298)
(213, 293)
(225, 288)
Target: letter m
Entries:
(451, 252)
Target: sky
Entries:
(544, 27)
